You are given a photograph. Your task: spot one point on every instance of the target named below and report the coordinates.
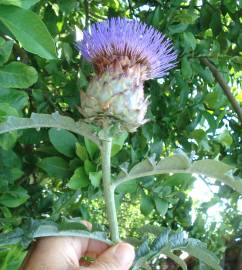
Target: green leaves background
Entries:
(56, 174)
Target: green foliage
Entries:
(29, 30)
(20, 3)
(79, 179)
(14, 197)
(63, 141)
(146, 205)
(12, 258)
(17, 75)
(55, 172)
(55, 167)
(95, 178)
(5, 50)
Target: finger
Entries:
(87, 224)
(119, 257)
(80, 244)
(95, 248)
(57, 252)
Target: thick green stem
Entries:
(109, 190)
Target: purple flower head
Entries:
(126, 43)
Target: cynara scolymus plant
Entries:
(125, 53)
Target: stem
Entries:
(109, 190)
(227, 91)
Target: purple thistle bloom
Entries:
(128, 42)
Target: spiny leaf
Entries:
(49, 120)
(161, 240)
(179, 163)
(178, 239)
(11, 238)
(143, 249)
(198, 249)
(153, 229)
(211, 167)
(217, 170)
(141, 167)
(52, 230)
(168, 241)
(176, 162)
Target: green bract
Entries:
(115, 99)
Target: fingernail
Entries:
(124, 253)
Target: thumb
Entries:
(119, 257)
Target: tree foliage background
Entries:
(40, 170)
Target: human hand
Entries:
(64, 253)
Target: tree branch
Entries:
(227, 91)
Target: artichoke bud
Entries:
(115, 97)
(124, 53)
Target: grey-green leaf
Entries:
(142, 167)
(53, 230)
(176, 162)
(17, 75)
(217, 170)
(39, 120)
(11, 238)
(211, 168)
(29, 30)
(197, 249)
